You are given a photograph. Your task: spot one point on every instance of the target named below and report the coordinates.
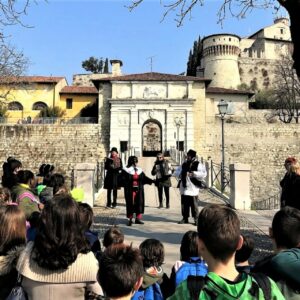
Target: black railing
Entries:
(216, 178)
(272, 202)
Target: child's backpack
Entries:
(153, 292)
(195, 266)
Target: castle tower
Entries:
(220, 60)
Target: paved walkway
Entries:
(162, 223)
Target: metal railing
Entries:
(272, 202)
(216, 178)
(177, 156)
(124, 155)
(99, 175)
(48, 120)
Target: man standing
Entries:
(113, 167)
(191, 173)
(162, 169)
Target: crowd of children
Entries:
(48, 249)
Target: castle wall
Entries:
(60, 145)
(252, 140)
(257, 73)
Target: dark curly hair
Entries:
(60, 237)
(153, 253)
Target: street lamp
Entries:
(178, 123)
(222, 107)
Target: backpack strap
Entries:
(195, 284)
(263, 282)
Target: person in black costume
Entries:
(113, 167)
(135, 179)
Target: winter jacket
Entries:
(227, 290)
(187, 184)
(8, 272)
(163, 171)
(182, 269)
(71, 284)
(26, 199)
(155, 285)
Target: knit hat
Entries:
(192, 153)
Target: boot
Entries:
(183, 221)
(129, 222)
(160, 205)
(138, 221)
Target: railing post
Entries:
(240, 186)
(208, 178)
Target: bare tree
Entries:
(287, 92)
(13, 63)
(239, 9)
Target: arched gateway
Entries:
(151, 138)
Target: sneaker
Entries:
(129, 222)
(183, 221)
(138, 221)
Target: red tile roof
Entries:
(78, 90)
(151, 76)
(30, 79)
(217, 90)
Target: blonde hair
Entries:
(295, 168)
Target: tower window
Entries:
(281, 30)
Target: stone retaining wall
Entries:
(263, 145)
(61, 145)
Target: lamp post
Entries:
(178, 123)
(222, 107)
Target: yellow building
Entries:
(74, 98)
(25, 96)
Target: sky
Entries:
(63, 33)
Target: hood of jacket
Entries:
(151, 276)
(8, 262)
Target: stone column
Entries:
(240, 186)
(84, 178)
(135, 132)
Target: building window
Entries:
(39, 106)
(15, 106)
(124, 146)
(69, 103)
(180, 145)
(281, 30)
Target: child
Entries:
(86, 218)
(155, 282)
(190, 262)
(113, 236)
(120, 272)
(242, 255)
(219, 238)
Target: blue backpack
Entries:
(153, 292)
(195, 266)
